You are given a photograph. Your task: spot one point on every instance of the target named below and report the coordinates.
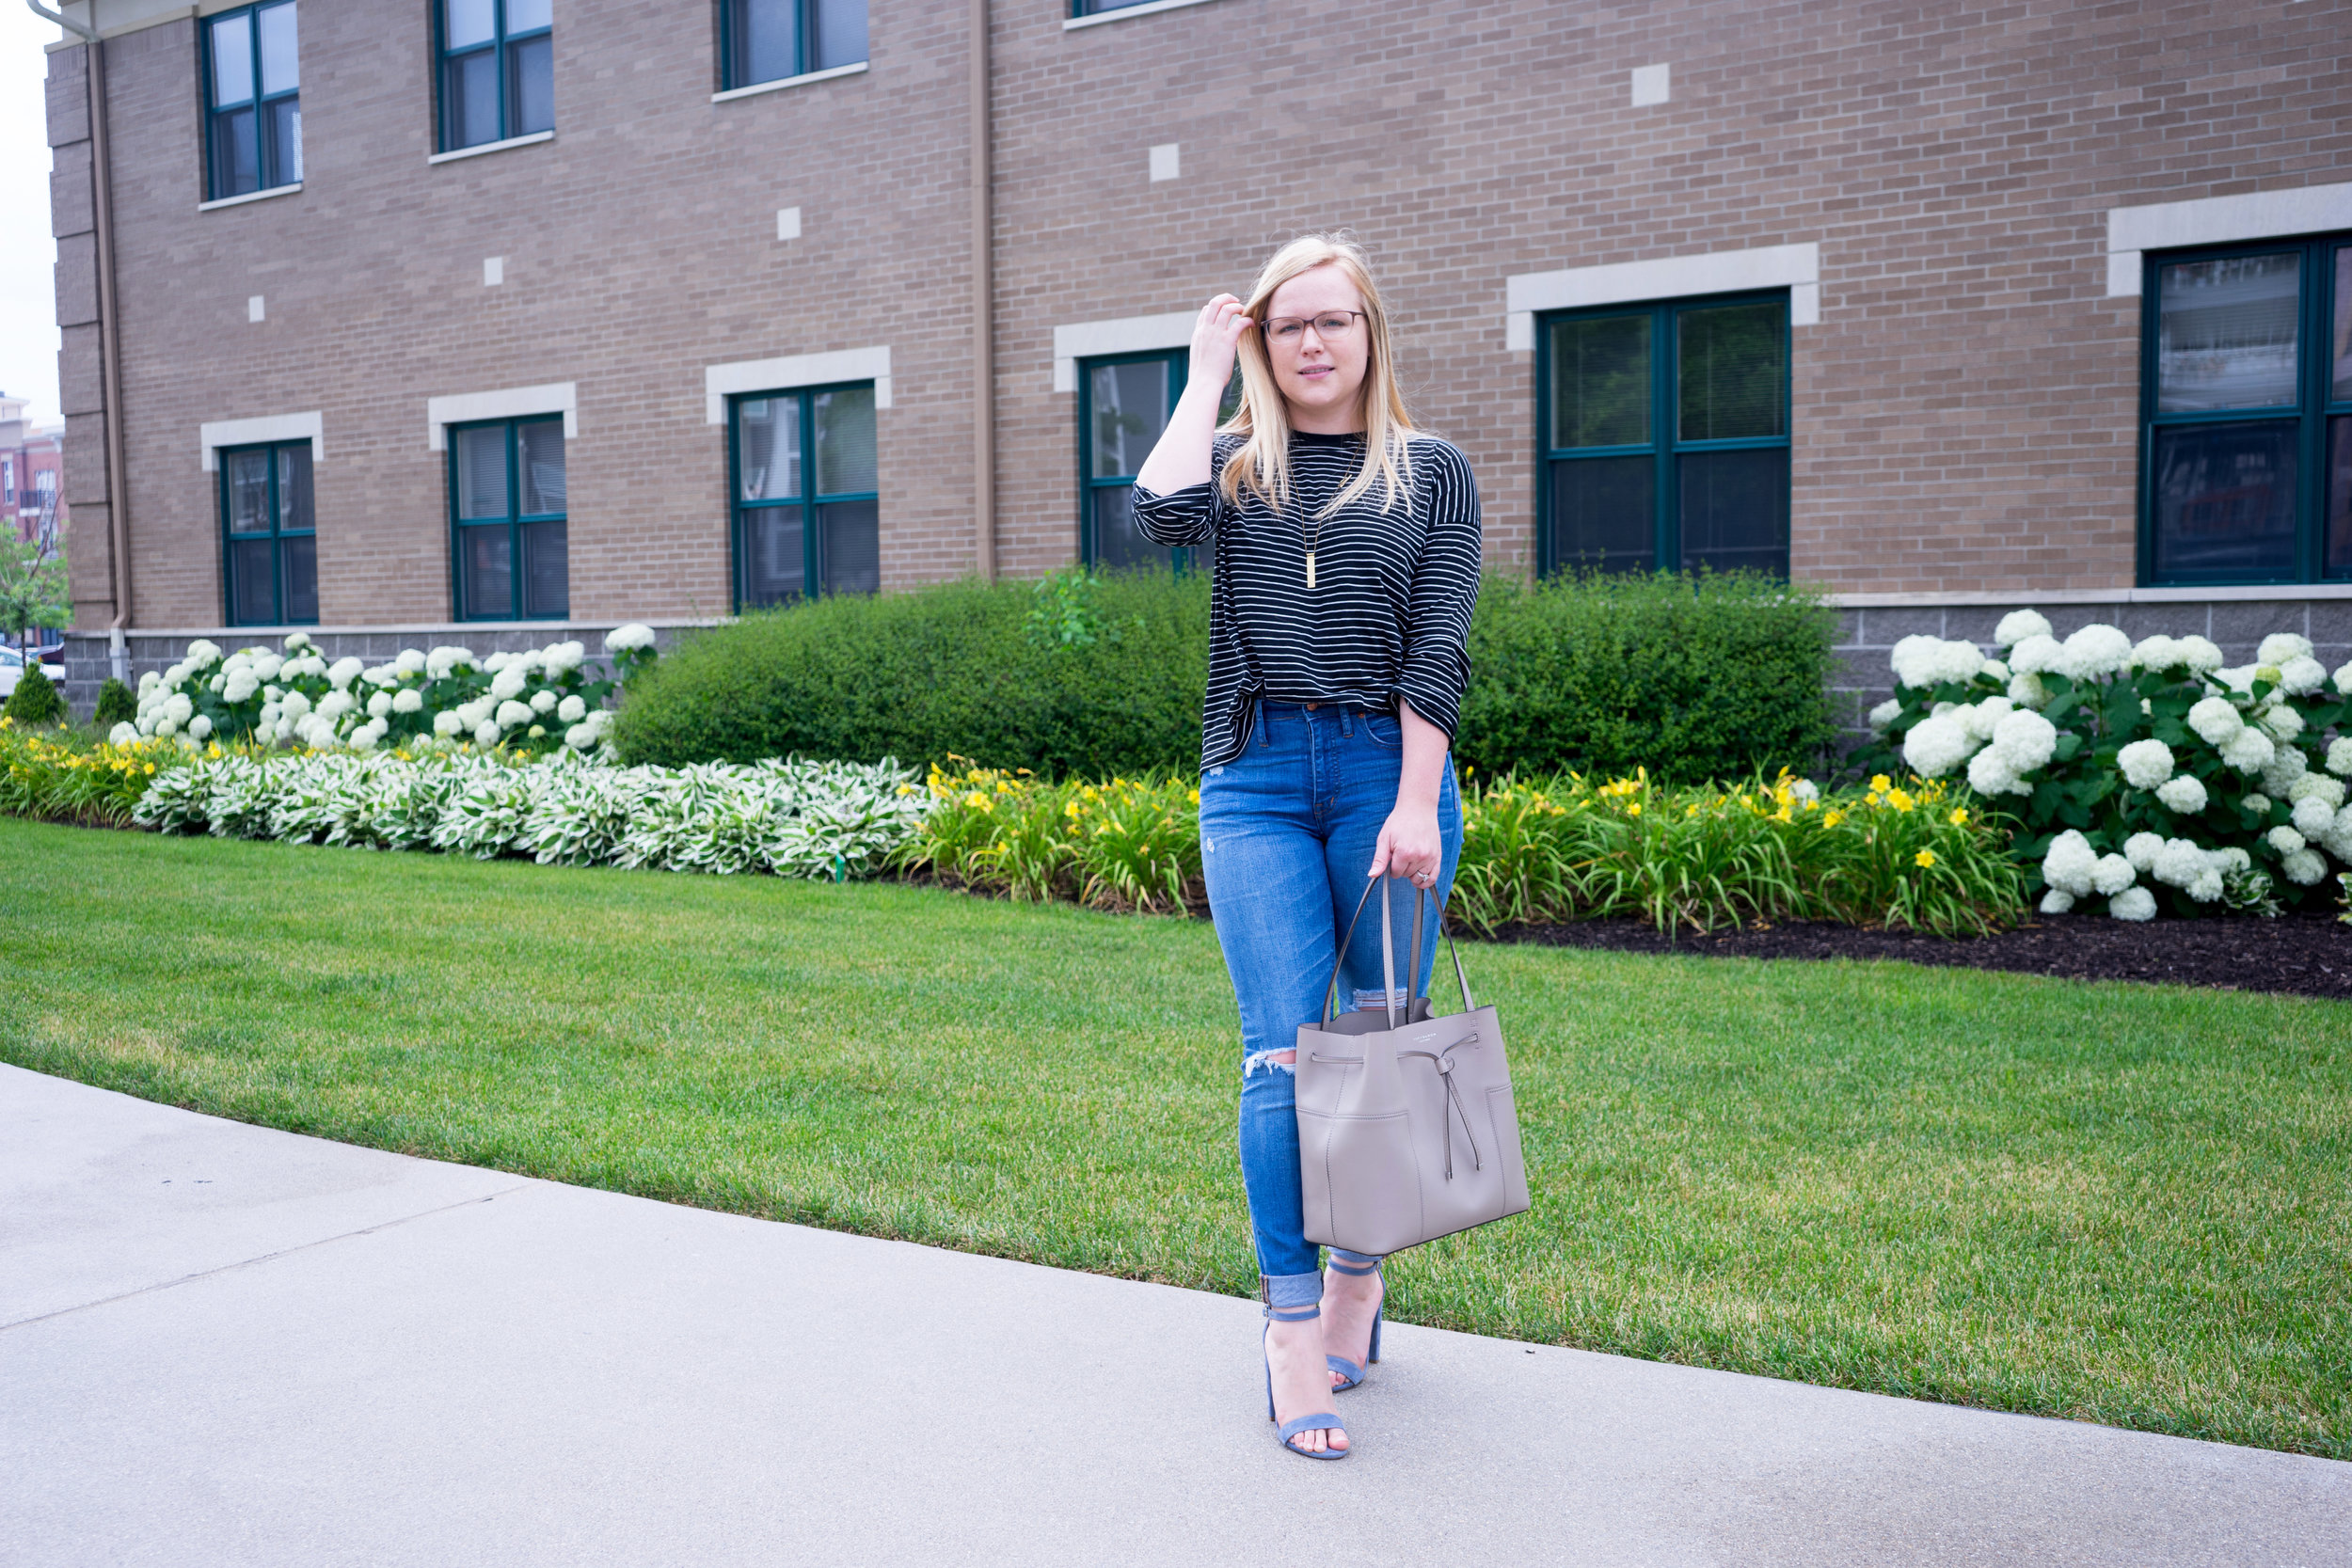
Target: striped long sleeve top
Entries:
(1389, 613)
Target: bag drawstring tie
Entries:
(1444, 1061)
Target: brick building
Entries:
(32, 472)
(516, 314)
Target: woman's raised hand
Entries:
(1215, 340)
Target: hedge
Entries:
(1694, 678)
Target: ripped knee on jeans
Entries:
(1285, 1060)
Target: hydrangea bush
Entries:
(822, 819)
(535, 701)
(2143, 775)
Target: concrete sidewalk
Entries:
(220, 1344)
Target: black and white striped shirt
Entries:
(1389, 615)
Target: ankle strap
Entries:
(1339, 1265)
(1295, 1314)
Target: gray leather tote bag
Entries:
(1406, 1126)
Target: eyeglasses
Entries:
(1331, 326)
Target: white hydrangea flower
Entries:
(241, 685)
(198, 727)
(2142, 849)
(2281, 646)
(561, 656)
(446, 722)
(511, 713)
(2281, 723)
(2283, 770)
(1886, 712)
(2313, 817)
(2248, 750)
(408, 700)
(2216, 720)
(410, 662)
(1937, 745)
(2095, 651)
(2018, 624)
(178, 708)
(2184, 794)
(486, 734)
(344, 671)
(2146, 764)
(543, 699)
(2178, 863)
(379, 704)
(579, 737)
(298, 640)
(572, 709)
(285, 730)
(166, 727)
(441, 660)
(1989, 773)
(2207, 887)
(2025, 739)
(2037, 655)
(2200, 654)
(335, 704)
(2285, 840)
(2158, 654)
(1982, 716)
(294, 704)
(2026, 691)
(2340, 753)
(2112, 874)
(1995, 668)
(123, 733)
(2256, 802)
(381, 674)
(202, 654)
(2300, 678)
(363, 738)
(510, 682)
(2070, 863)
(2317, 786)
(634, 635)
(2136, 903)
(497, 662)
(1940, 709)
(2303, 867)
(2057, 901)
(149, 682)
(2339, 839)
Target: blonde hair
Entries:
(1262, 463)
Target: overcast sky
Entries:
(29, 311)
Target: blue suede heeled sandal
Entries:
(1340, 1364)
(1322, 1421)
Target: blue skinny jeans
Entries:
(1287, 835)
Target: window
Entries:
(1124, 401)
(507, 520)
(1096, 8)
(269, 535)
(497, 70)
(252, 89)
(766, 41)
(2246, 411)
(797, 521)
(1664, 436)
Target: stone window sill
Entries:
(782, 81)
(250, 196)
(1122, 14)
(476, 151)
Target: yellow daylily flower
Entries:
(1924, 858)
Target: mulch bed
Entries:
(2306, 954)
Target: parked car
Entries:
(12, 668)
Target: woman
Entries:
(1345, 548)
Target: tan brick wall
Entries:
(1964, 412)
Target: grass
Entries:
(2114, 1203)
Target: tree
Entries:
(33, 589)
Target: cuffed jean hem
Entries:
(1291, 1289)
(1359, 1258)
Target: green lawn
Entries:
(2117, 1203)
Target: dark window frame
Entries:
(733, 68)
(1103, 7)
(501, 45)
(514, 521)
(807, 501)
(268, 154)
(1179, 362)
(223, 460)
(1666, 443)
(2312, 409)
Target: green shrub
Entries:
(1713, 677)
(35, 700)
(1080, 674)
(117, 705)
(1706, 677)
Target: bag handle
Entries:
(1387, 961)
